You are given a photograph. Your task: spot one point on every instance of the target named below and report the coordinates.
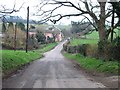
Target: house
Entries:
(48, 34)
(53, 32)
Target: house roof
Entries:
(53, 29)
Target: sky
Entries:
(32, 5)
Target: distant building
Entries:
(54, 32)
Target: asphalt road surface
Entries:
(52, 71)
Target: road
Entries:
(52, 71)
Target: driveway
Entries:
(52, 71)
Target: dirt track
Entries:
(52, 71)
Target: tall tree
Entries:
(99, 18)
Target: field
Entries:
(92, 38)
(76, 42)
(12, 60)
(93, 35)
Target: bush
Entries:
(65, 47)
(105, 49)
(92, 50)
(102, 47)
(71, 49)
(115, 52)
(109, 50)
(117, 40)
(41, 37)
(82, 49)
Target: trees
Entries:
(3, 27)
(98, 16)
(4, 10)
(41, 37)
(78, 27)
(21, 25)
(115, 9)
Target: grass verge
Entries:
(94, 64)
(13, 60)
(46, 48)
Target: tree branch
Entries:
(69, 15)
(9, 11)
(91, 23)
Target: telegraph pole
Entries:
(27, 29)
(15, 36)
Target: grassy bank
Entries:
(46, 48)
(94, 64)
(12, 60)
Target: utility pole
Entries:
(15, 36)
(27, 29)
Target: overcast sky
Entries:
(32, 4)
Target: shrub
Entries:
(109, 50)
(41, 37)
(115, 52)
(82, 49)
(105, 50)
(71, 49)
(92, 50)
(65, 47)
(102, 47)
(117, 40)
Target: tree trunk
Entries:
(101, 31)
(112, 23)
(101, 22)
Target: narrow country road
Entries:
(52, 71)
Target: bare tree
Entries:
(5, 10)
(99, 17)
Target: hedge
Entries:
(106, 51)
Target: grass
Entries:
(45, 49)
(94, 64)
(93, 35)
(12, 60)
(90, 39)
(76, 42)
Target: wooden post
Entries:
(27, 29)
(15, 36)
